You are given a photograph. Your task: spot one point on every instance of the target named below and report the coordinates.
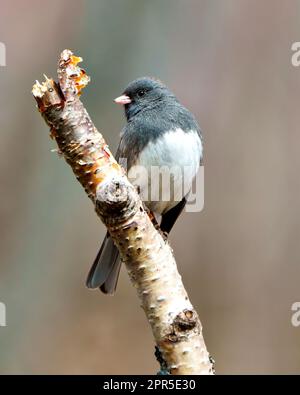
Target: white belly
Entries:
(165, 169)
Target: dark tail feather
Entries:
(110, 284)
(106, 267)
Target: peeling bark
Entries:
(148, 258)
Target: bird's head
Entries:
(142, 93)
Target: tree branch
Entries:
(148, 258)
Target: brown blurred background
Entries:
(230, 63)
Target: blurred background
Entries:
(230, 63)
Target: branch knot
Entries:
(116, 200)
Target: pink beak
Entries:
(124, 99)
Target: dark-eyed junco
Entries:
(162, 145)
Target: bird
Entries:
(160, 134)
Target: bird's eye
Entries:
(141, 93)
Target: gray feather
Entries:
(110, 284)
(104, 263)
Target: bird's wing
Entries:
(129, 147)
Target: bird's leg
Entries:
(155, 223)
(152, 216)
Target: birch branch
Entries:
(148, 258)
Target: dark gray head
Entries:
(143, 93)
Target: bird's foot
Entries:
(152, 217)
(164, 235)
